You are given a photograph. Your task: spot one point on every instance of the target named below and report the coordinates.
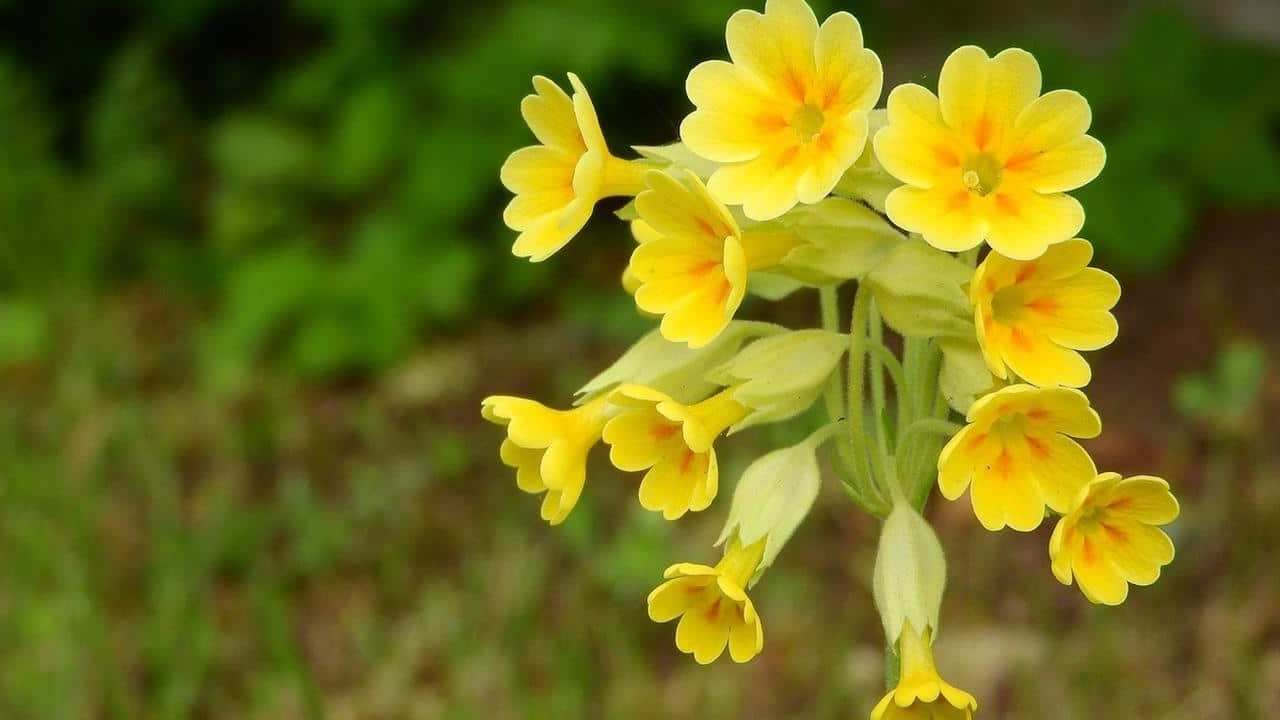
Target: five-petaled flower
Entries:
(988, 158)
(1015, 455)
(789, 115)
(673, 443)
(558, 183)
(692, 262)
(548, 448)
(712, 605)
(921, 693)
(1034, 315)
(1111, 538)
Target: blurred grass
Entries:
(255, 282)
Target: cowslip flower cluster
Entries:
(949, 214)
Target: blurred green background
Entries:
(254, 282)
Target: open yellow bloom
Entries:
(921, 693)
(673, 442)
(1111, 537)
(692, 262)
(1034, 315)
(712, 605)
(548, 448)
(558, 183)
(789, 115)
(1017, 455)
(989, 157)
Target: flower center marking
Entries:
(1008, 304)
(807, 122)
(981, 173)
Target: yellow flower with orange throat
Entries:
(558, 182)
(672, 443)
(788, 116)
(548, 448)
(1016, 455)
(1112, 537)
(712, 605)
(1033, 316)
(922, 694)
(989, 157)
(692, 262)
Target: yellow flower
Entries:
(789, 115)
(1111, 537)
(712, 605)
(673, 443)
(989, 157)
(921, 693)
(558, 182)
(1017, 455)
(1033, 316)
(548, 448)
(692, 262)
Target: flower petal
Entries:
(1024, 223)
(1065, 167)
(776, 47)
(983, 96)
(550, 115)
(945, 215)
(916, 147)
(1146, 499)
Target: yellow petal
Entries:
(526, 462)
(841, 142)
(550, 115)
(670, 599)
(849, 76)
(1061, 468)
(746, 640)
(945, 215)
(916, 147)
(1068, 412)
(538, 168)
(1138, 551)
(1053, 120)
(552, 232)
(983, 97)
(585, 114)
(1078, 314)
(1065, 167)
(1039, 361)
(1145, 499)
(1024, 223)
(703, 632)
(735, 120)
(1099, 578)
(1005, 493)
(776, 47)
(765, 187)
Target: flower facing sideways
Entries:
(1016, 455)
(558, 182)
(673, 443)
(921, 693)
(712, 605)
(788, 115)
(692, 262)
(988, 158)
(1033, 316)
(1111, 538)
(548, 448)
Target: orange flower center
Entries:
(981, 173)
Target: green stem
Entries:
(865, 470)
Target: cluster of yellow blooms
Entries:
(788, 177)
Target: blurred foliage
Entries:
(1226, 399)
(318, 180)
